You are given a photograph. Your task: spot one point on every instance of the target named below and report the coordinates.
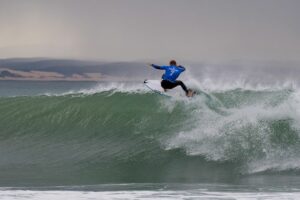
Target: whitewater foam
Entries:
(144, 194)
(245, 133)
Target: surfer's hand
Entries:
(149, 64)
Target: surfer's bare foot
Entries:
(190, 93)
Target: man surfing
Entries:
(172, 72)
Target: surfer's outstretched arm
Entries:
(182, 68)
(157, 66)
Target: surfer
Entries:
(171, 74)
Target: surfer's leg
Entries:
(170, 85)
(167, 84)
(182, 85)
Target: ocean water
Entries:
(88, 140)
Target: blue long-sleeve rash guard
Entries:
(171, 72)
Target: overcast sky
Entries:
(127, 30)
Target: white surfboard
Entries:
(155, 86)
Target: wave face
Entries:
(91, 137)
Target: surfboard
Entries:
(154, 85)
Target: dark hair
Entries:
(173, 62)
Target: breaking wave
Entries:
(121, 133)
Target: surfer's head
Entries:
(173, 62)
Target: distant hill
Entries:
(6, 73)
(61, 69)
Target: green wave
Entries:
(134, 137)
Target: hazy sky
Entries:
(126, 30)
